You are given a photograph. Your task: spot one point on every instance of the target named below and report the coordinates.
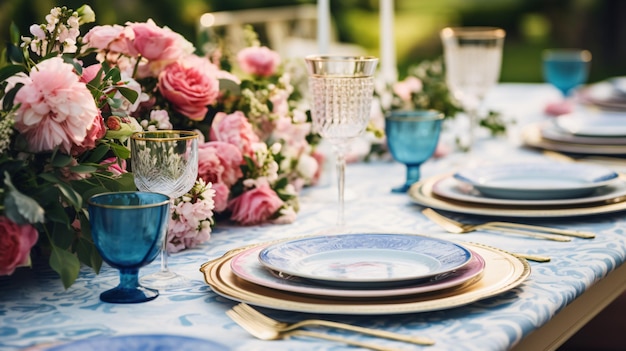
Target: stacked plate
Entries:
(609, 94)
(595, 132)
(364, 273)
(525, 190)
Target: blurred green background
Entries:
(531, 25)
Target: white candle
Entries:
(388, 67)
(323, 26)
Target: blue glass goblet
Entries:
(128, 229)
(412, 138)
(566, 68)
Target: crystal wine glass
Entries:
(473, 56)
(341, 89)
(412, 138)
(128, 229)
(165, 161)
(566, 69)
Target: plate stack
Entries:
(588, 132)
(533, 190)
(364, 273)
(607, 95)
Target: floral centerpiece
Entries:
(70, 102)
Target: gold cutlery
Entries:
(453, 226)
(249, 313)
(529, 257)
(265, 332)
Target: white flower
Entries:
(307, 166)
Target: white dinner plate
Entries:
(502, 272)
(605, 95)
(594, 123)
(541, 180)
(246, 266)
(365, 260)
(450, 188)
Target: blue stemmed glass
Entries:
(566, 68)
(128, 229)
(412, 138)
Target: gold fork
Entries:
(247, 311)
(515, 228)
(264, 332)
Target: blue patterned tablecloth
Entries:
(36, 310)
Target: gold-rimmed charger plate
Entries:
(422, 194)
(502, 272)
(531, 136)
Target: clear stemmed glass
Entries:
(566, 69)
(341, 89)
(412, 138)
(128, 229)
(164, 161)
(473, 56)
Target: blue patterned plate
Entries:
(148, 342)
(365, 260)
(534, 181)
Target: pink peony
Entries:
(189, 89)
(15, 244)
(191, 226)
(222, 193)
(56, 108)
(255, 206)
(219, 162)
(110, 38)
(258, 60)
(234, 129)
(159, 44)
(95, 133)
(116, 166)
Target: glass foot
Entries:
(164, 280)
(401, 189)
(129, 295)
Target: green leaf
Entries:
(130, 94)
(96, 155)
(60, 160)
(86, 251)
(62, 235)
(7, 101)
(120, 151)
(15, 54)
(49, 177)
(230, 86)
(56, 213)
(19, 207)
(66, 264)
(14, 31)
(82, 168)
(10, 70)
(70, 195)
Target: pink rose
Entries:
(255, 206)
(90, 72)
(234, 129)
(95, 133)
(15, 244)
(189, 89)
(258, 60)
(407, 87)
(56, 108)
(157, 44)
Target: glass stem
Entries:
(341, 176)
(164, 255)
(129, 278)
(473, 124)
(413, 174)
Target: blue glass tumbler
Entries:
(412, 138)
(128, 229)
